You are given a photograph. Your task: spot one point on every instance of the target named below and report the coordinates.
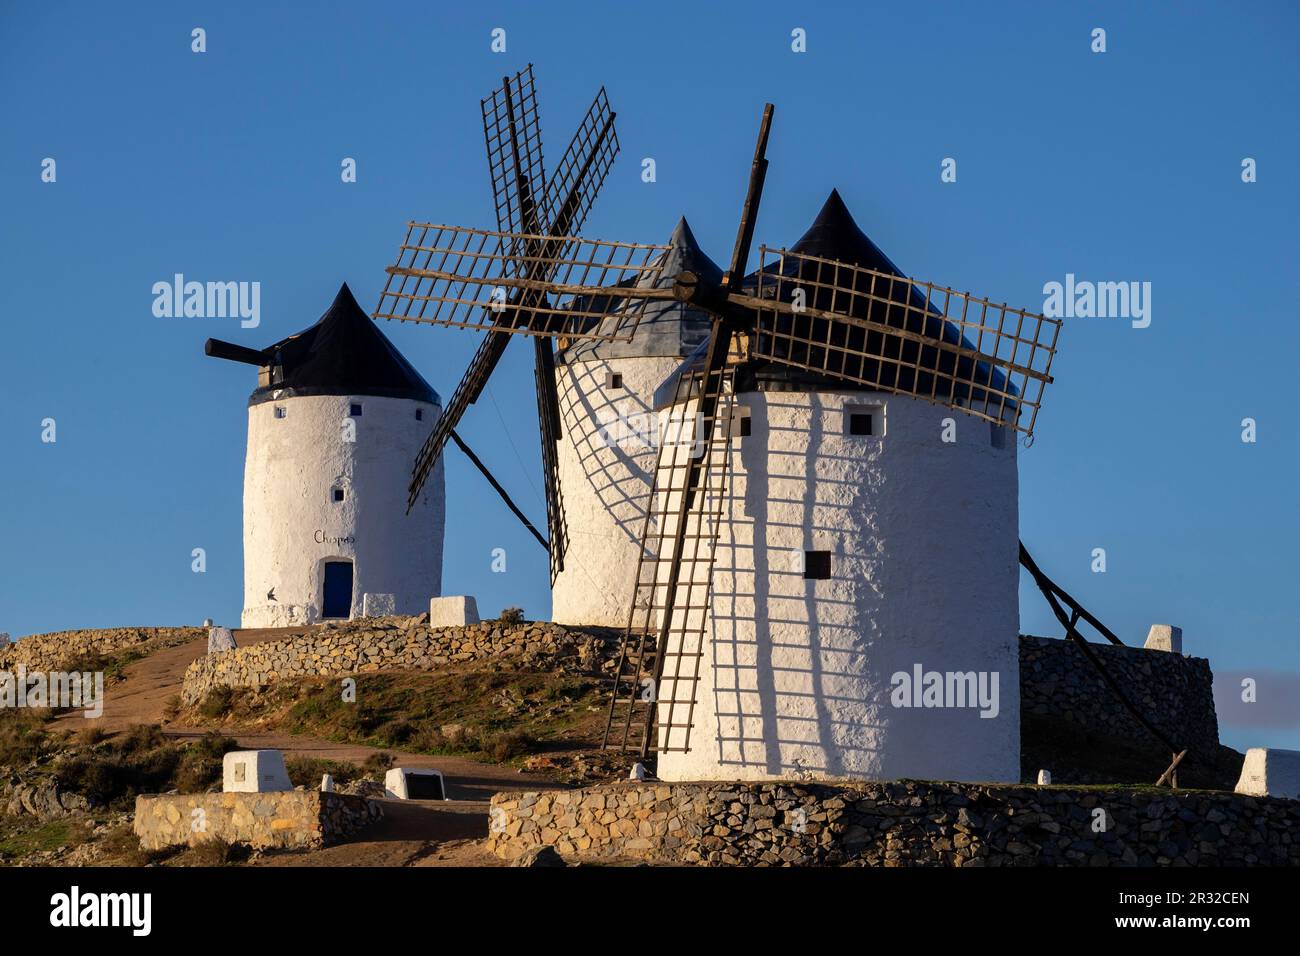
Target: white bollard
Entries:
(1268, 772)
(453, 611)
(1044, 778)
(326, 784)
(254, 771)
(1165, 637)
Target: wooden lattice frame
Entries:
(870, 327)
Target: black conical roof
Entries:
(835, 235)
(666, 326)
(344, 353)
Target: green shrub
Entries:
(90, 735)
(397, 732)
(22, 737)
(200, 767)
(512, 615)
(172, 708)
(377, 763)
(503, 746)
(216, 852)
(140, 737)
(217, 703)
(307, 771)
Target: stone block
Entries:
(254, 771)
(378, 605)
(454, 611)
(220, 639)
(1268, 772)
(1165, 637)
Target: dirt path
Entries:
(142, 695)
(414, 833)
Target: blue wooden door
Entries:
(338, 589)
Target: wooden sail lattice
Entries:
(559, 286)
(536, 219)
(653, 704)
(903, 335)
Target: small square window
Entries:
(355, 411)
(997, 435)
(817, 565)
(614, 380)
(419, 414)
(864, 421)
(740, 423)
(279, 411)
(339, 494)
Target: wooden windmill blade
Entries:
(571, 192)
(657, 679)
(902, 335)
(512, 133)
(652, 707)
(565, 287)
(574, 303)
(505, 289)
(548, 418)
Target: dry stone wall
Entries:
(397, 643)
(1173, 691)
(58, 649)
(897, 824)
(292, 819)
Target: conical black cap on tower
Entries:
(834, 235)
(666, 327)
(344, 353)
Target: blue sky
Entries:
(1124, 165)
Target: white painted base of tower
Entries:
(298, 457)
(797, 679)
(606, 469)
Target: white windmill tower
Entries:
(608, 443)
(336, 418)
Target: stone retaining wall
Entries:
(293, 819)
(1174, 692)
(396, 643)
(906, 823)
(58, 649)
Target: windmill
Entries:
(838, 320)
(857, 323)
(831, 311)
(517, 279)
